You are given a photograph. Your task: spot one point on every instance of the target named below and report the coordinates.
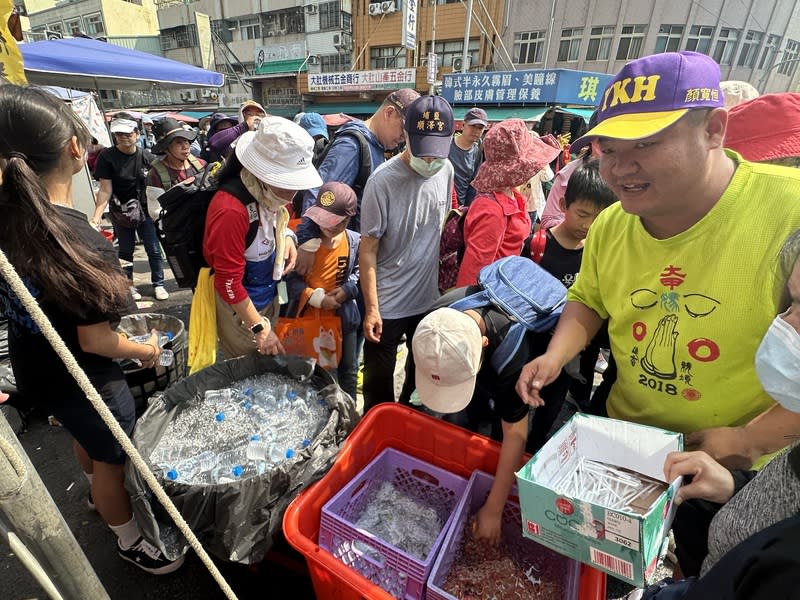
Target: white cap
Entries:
(447, 348)
(279, 153)
(123, 126)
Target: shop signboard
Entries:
(534, 86)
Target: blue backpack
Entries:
(530, 296)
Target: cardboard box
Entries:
(624, 543)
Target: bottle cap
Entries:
(237, 471)
(289, 453)
(172, 474)
(220, 416)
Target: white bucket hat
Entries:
(447, 348)
(279, 153)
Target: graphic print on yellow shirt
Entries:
(686, 314)
(653, 347)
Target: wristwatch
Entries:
(257, 328)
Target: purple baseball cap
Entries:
(652, 93)
(429, 125)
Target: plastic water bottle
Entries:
(247, 470)
(190, 468)
(172, 453)
(219, 396)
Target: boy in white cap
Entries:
(452, 351)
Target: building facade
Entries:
(757, 41)
(261, 47)
(132, 25)
(392, 46)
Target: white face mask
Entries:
(778, 364)
(423, 168)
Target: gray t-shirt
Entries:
(463, 167)
(406, 211)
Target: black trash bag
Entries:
(146, 382)
(237, 521)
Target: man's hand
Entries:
(290, 255)
(329, 303)
(486, 525)
(253, 121)
(729, 446)
(303, 262)
(534, 376)
(373, 326)
(338, 294)
(710, 480)
(268, 343)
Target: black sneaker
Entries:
(149, 558)
(90, 502)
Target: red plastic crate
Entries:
(562, 568)
(390, 426)
(396, 571)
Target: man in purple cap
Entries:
(672, 265)
(466, 154)
(402, 212)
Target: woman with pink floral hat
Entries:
(497, 222)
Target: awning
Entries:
(350, 108)
(282, 67)
(197, 114)
(585, 113)
(532, 113)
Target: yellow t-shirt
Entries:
(686, 314)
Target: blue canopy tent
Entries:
(90, 64)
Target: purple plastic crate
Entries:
(399, 573)
(521, 548)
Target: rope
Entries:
(29, 302)
(18, 465)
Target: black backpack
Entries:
(365, 166)
(182, 221)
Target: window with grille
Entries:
(74, 26)
(528, 47)
(222, 29)
(570, 46)
(94, 24)
(789, 60)
(249, 28)
(768, 54)
(699, 39)
(630, 42)
(726, 45)
(387, 57)
(331, 63)
(669, 38)
(448, 50)
(750, 46)
(330, 15)
(600, 43)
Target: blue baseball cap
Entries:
(314, 124)
(429, 125)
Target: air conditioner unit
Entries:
(336, 38)
(375, 9)
(311, 9)
(458, 63)
(389, 6)
(313, 60)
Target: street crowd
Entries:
(672, 224)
